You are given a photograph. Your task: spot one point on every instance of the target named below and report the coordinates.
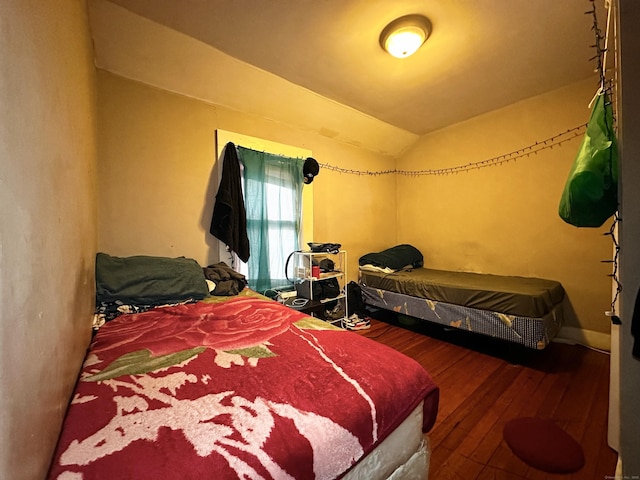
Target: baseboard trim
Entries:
(588, 338)
(619, 468)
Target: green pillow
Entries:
(148, 280)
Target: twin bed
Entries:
(521, 310)
(235, 387)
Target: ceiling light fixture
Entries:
(405, 35)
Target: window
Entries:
(273, 198)
(275, 203)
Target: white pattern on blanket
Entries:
(253, 421)
(245, 388)
(196, 418)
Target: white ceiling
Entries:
(481, 55)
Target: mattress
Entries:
(403, 454)
(243, 387)
(522, 296)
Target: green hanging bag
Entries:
(590, 194)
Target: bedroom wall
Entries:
(47, 222)
(156, 176)
(503, 219)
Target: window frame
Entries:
(255, 143)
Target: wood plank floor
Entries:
(484, 383)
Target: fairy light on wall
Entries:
(533, 149)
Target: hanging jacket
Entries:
(229, 219)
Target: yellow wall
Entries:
(156, 157)
(156, 176)
(47, 223)
(503, 219)
(157, 187)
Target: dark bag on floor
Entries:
(355, 302)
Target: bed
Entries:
(241, 387)
(522, 310)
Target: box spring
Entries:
(534, 332)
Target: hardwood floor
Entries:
(484, 383)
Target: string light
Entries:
(614, 274)
(606, 86)
(533, 149)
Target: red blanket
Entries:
(244, 388)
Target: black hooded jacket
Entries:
(229, 220)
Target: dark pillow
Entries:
(399, 257)
(148, 280)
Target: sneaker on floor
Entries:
(356, 323)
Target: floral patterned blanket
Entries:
(241, 387)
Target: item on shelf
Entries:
(326, 265)
(324, 247)
(318, 289)
(321, 277)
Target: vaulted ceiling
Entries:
(319, 63)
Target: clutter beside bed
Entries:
(236, 386)
(320, 288)
(224, 279)
(523, 310)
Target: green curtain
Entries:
(273, 201)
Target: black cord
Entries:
(598, 45)
(299, 302)
(615, 319)
(286, 266)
